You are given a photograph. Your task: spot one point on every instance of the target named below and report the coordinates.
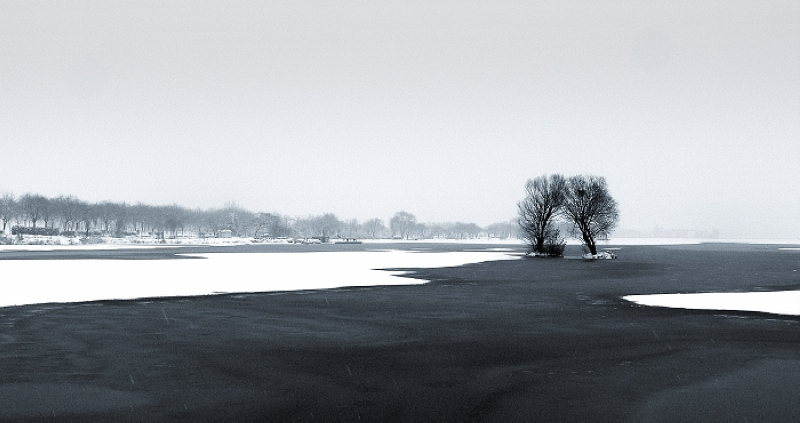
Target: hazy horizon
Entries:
(442, 109)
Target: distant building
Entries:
(224, 233)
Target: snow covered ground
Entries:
(782, 302)
(111, 242)
(46, 281)
(692, 241)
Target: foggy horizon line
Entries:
(619, 232)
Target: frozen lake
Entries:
(208, 273)
(60, 281)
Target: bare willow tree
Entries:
(543, 201)
(590, 208)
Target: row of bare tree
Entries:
(404, 225)
(70, 215)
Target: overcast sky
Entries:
(691, 110)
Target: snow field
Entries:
(64, 281)
(780, 302)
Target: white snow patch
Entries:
(57, 247)
(692, 241)
(45, 281)
(49, 243)
(780, 302)
(482, 241)
(603, 255)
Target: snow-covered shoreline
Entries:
(28, 241)
(66, 281)
(49, 243)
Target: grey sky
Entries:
(691, 110)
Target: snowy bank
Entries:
(781, 302)
(59, 281)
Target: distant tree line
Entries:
(67, 215)
(582, 202)
(404, 225)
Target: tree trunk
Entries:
(590, 243)
(539, 247)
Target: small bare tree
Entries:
(326, 225)
(267, 224)
(87, 215)
(67, 209)
(8, 208)
(33, 207)
(543, 201)
(373, 227)
(590, 208)
(402, 223)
